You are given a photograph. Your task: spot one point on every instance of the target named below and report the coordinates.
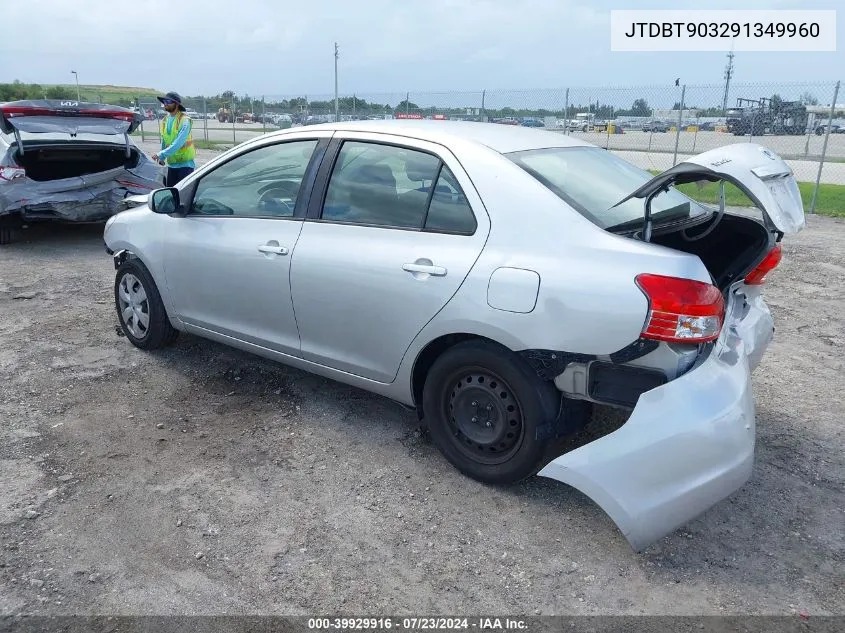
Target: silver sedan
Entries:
(500, 280)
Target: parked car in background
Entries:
(68, 161)
(834, 129)
(533, 123)
(655, 126)
(500, 280)
(581, 125)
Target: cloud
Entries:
(261, 47)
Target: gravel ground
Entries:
(201, 480)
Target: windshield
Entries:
(592, 181)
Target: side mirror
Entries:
(164, 201)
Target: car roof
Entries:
(501, 138)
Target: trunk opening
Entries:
(729, 252)
(56, 162)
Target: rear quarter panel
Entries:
(588, 301)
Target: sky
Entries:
(264, 47)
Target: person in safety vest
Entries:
(177, 144)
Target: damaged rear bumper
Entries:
(74, 201)
(687, 444)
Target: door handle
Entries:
(277, 250)
(436, 271)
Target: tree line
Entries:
(361, 107)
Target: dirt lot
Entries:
(201, 480)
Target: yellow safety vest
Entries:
(187, 151)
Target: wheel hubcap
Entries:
(134, 305)
(485, 417)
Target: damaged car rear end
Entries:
(690, 438)
(68, 161)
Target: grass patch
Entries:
(830, 200)
(203, 144)
(108, 93)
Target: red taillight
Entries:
(769, 263)
(681, 310)
(10, 174)
(18, 111)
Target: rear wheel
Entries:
(483, 406)
(10, 229)
(140, 309)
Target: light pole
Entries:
(75, 74)
(336, 109)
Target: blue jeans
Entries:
(175, 174)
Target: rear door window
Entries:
(375, 184)
(449, 210)
(380, 185)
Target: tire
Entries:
(483, 404)
(8, 235)
(10, 230)
(146, 324)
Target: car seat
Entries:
(373, 196)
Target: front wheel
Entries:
(483, 405)
(140, 309)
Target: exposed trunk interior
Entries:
(730, 251)
(56, 161)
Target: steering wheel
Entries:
(277, 200)
(284, 188)
(213, 207)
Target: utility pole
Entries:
(336, 107)
(729, 71)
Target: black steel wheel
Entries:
(484, 415)
(483, 405)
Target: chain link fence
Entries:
(653, 127)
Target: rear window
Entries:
(592, 181)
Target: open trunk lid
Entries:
(70, 117)
(756, 170)
(83, 196)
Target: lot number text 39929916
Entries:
(493, 624)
